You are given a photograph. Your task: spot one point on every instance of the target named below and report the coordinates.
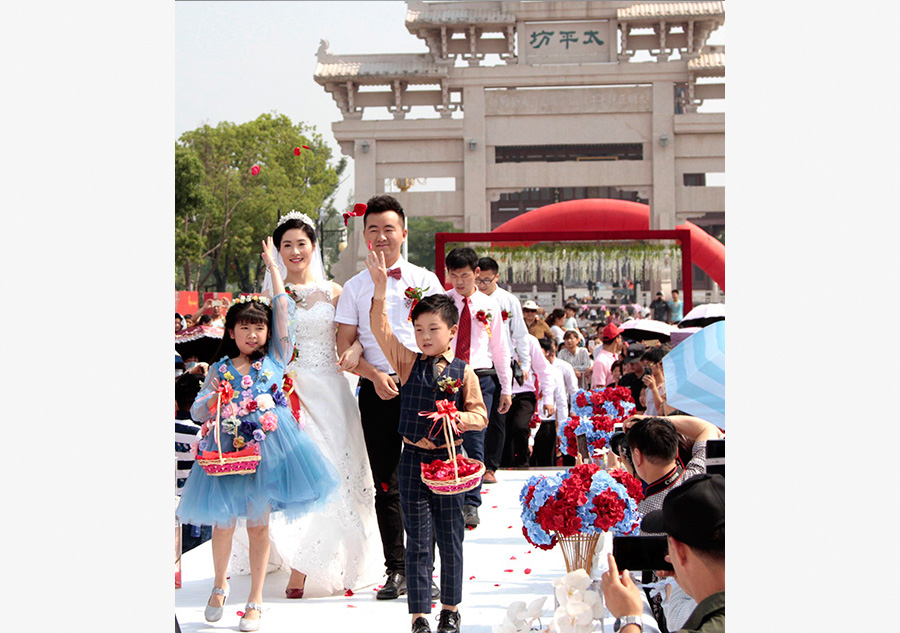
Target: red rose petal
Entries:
(493, 506)
(527, 571)
(512, 558)
(254, 170)
(348, 593)
(305, 147)
(471, 577)
(296, 151)
(496, 584)
(384, 487)
(351, 606)
(507, 570)
(240, 613)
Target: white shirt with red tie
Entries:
(486, 350)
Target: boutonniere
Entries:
(505, 315)
(484, 318)
(449, 385)
(413, 296)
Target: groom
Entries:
(384, 229)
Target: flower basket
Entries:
(217, 463)
(473, 470)
(456, 484)
(243, 462)
(578, 550)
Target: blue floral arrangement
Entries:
(582, 500)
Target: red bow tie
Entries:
(358, 210)
(394, 272)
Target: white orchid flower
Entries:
(535, 608)
(567, 585)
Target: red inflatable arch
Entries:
(603, 214)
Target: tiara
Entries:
(296, 215)
(248, 298)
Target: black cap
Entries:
(692, 513)
(634, 352)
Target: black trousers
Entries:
(380, 424)
(495, 434)
(473, 441)
(544, 453)
(518, 418)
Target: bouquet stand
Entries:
(578, 550)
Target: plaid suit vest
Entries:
(420, 393)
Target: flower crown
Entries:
(296, 215)
(248, 298)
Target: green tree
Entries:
(191, 213)
(242, 208)
(420, 240)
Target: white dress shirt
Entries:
(558, 395)
(540, 369)
(356, 300)
(515, 327)
(568, 373)
(486, 350)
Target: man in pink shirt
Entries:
(481, 342)
(605, 357)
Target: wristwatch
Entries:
(628, 619)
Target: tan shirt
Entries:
(473, 417)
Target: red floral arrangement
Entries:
(413, 296)
(439, 470)
(505, 315)
(535, 421)
(611, 401)
(582, 500)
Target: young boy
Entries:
(428, 517)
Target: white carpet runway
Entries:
(500, 567)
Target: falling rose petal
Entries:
(240, 613)
(297, 151)
(527, 570)
(305, 147)
(348, 593)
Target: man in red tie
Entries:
(481, 342)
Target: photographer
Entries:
(693, 519)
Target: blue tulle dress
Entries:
(293, 477)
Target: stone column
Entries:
(477, 206)
(352, 260)
(662, 203)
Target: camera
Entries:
(715, 457)
(641, 553)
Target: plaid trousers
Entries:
(429, 517)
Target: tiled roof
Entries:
(418, 15)
(349, 67)
(658, 10)
(707, 61)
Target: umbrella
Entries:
(646, 329)
(695, 374)
(704, 315)
(201, 341)
(679, 334)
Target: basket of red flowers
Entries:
(460, 473)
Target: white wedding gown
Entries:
(339, 547)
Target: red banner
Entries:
(186, 302)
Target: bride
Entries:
(338, 548)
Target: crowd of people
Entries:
(337, 492)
